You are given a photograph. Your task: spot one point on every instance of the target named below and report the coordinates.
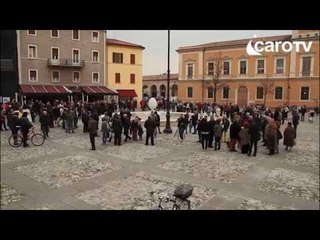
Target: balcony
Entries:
(65, 63)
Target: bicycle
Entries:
(37, 139)
(180, 200)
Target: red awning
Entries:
(127, 93)
(98, 90)
(44, 89)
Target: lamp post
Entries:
(168, 127)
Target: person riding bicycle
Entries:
(25, 126)
(14, 125)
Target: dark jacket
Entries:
(217, 130)
(182, 122)
(92, 126)
(194, 119)
(234, 130)
(25, 124)
(85, 117)
(205, 126)
(254, 131)
(289, 135)
(126, 123)
(150, 125)
(211, 125)
(117, 125)
(226, 124)
(44, 120)
(157, 119)
(295, 119)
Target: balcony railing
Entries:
(66, 63)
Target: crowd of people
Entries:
(237, 127)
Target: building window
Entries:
(190, 70)
(54, 33)
(55, 76)
(210, 68)
(95, 77)
(260, 66)
(76, 77)
(33, 75)
(190, 92)
(304, 93)
(75, 35)
(32, 32)
(132, 59)
(279, 66)
(278, 93)
(225, 94)
(117, 57)
(132, 78)
(95, 56)
(306, 66)
(95, 36)
(210, 92)
(117, 78)
(75, 55)
(243, 67)
(259, 93)
(32, 51)
(54, 53)
(226, 68)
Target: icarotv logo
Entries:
(276, 46)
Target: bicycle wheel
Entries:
(16, 143)
(37, 139)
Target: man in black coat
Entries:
(85, 120)
(45, 123)
(194, 119)
(211, 124)
(92, 128)
(254, 132)
(234, 135)
(205, 131)
(150, 126)
(157, 121)
(117, 129)
(295, 121)
(25, 126)
(126, 126)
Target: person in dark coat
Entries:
(217, 134)
(117, 129)
(234, 135)
(199, 127)
(126, 126)
(194, 119)
(182, 124)
(205, 131)
(244, 138)
(85, 120)
(271, 136)
(295, 121)
(25, 127)
(158, 121)
(211, 124)
(134, 128)
(254, 131)
(92, 128)
(289, 134)
(45, 123)
(150, 126)
(226, 124)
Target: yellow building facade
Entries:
(124, 68)
(291, 78)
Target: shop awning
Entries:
(98, 90)
(127, 93)
(44, 89)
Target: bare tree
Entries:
(268, 87)
(217, 82)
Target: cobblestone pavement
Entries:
(65, 174)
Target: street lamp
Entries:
(168, 127)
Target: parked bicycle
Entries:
(180, 199)
(37, 139)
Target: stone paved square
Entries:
(254, 204)
(221, 166)
(292, 183)
(66, 171)
(9, 195)
(133, 193)
(307, 159)
(136, 152)
(11, 154)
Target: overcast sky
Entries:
(156, 43)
